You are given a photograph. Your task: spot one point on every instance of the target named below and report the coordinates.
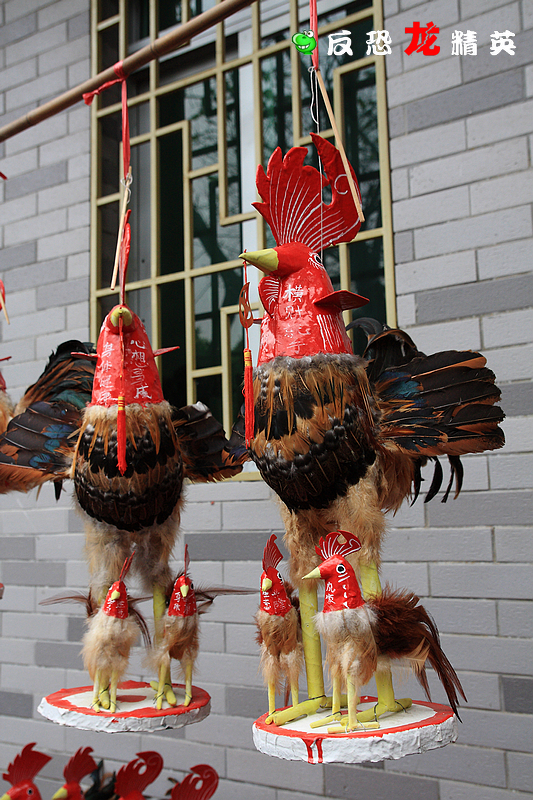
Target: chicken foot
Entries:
(105, 692)
(163, 685)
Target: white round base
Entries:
(424, 726)
(135, 712)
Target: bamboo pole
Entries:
(160, 47)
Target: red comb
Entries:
(81, 764)
(331, 546)
(292, 195)
(271, 554)
(25, 765)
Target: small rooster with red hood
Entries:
(363, 637)
(341, 438)
(278, 628)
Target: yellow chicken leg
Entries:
(313, 661)
(188, 683)
(336, 702)
(163, 686)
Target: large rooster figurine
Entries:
(78, 766)
(278, 628)
(21, 772)
(362, 637)
(339, 445)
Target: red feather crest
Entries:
(26, 765)
(186, 561)
(271, 554)
(126, 567)
(333, 546)
(200, 784)
(81, 764)
(292, 198)
(139, 773)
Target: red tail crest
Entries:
(338, 543)
(271, 554)
(292, 198)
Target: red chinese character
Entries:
(423, 40)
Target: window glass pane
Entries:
(367, 279)
(107, 57)
(139, 302)
(209, 391)
(237, 343)
(201, 110)
(199, 6)
(139, 119)
(211, 293)
(171, 203)
(191, 61)
(233, 143)
(108, 241)
(276, 98)
(361, 136)
(213, 243)
(105, 304)
(138, 21)
(110, 168)
(172, 328)
(139, 82)
(344, 11)
(169, 14)
(107, 8)
(139, 262)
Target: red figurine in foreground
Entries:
(79, 765)
(21, 772)
(133, 778)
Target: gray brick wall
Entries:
(460, 145)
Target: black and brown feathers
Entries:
(40, 439)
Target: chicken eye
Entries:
(192, 585)
(30, 791)
(341, 569)
(279, 576)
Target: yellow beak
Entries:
(121, 311)
(314, 574)
(265, 260)
(184, 590)
(266, 584)
(60, 794)
(115, 595)
(5, 797)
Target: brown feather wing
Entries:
(204, 445)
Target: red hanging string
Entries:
(89, 97)
(121, 410)
(313, 24)
(246, 318)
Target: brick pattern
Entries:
(460, 142)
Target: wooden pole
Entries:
(160, 47)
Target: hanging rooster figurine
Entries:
(199, 784)
(362, 637)
(278, 628)
(77, 767)
(21, 772)
(337, 445)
